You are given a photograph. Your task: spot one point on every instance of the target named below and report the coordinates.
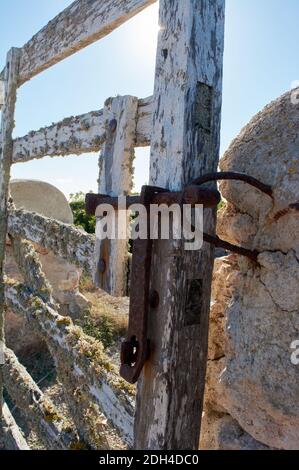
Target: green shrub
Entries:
(81, 219)
(102, 330)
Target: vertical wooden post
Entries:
(116, 179)
(7, 125)
(185, 144)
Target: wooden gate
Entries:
(181, 122)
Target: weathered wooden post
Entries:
(116, 179)
(185, 144)
(7, 125)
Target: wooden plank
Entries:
(41, 413)
(116, 179)
(72, 136)
(30, 267)
(144, 122)
(91, 383)
(185, 144)
(64, 240)
(81, 24)
(7, 125)
(12, 435)
(76, 135)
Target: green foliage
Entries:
(221, 205)
(81, 219)
(103, 331)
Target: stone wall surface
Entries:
(252, 386)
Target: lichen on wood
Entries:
(7, 126)
(91, 383)
(65, 240)
(50, 426)
(116, 179)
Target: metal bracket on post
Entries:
(136, 349)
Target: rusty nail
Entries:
(113, 125)
(154, 299)
(102, 266)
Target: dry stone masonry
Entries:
(252, 386)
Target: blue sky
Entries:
(260, 63)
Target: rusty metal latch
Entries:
(136, 349)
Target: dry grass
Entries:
(107, 318)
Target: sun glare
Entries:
(145, 32)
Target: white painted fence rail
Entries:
(76, 135)
(66, 241)
(43, 416)
(91, 383)
(79, 25)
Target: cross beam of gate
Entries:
(185, 144)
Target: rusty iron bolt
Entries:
(154, 299)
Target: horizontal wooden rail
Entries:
(72, 136)
(12, 435)
(76, 135)
(30, 267)
(50, 426)
(64, 240)
(81, 24)
(91, 383)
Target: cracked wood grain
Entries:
(116, 179)
(7, 125)
(64, 240)
(185, 144)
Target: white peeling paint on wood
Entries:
(64, 240)
(116, 179)
(7, 125)
(72, 136)
(112, 407)
(99, 385)
(76, 135)
(185, 144)
(12, 435)
(81, 24)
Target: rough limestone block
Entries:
(256, 382)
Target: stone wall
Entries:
(252, 389)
